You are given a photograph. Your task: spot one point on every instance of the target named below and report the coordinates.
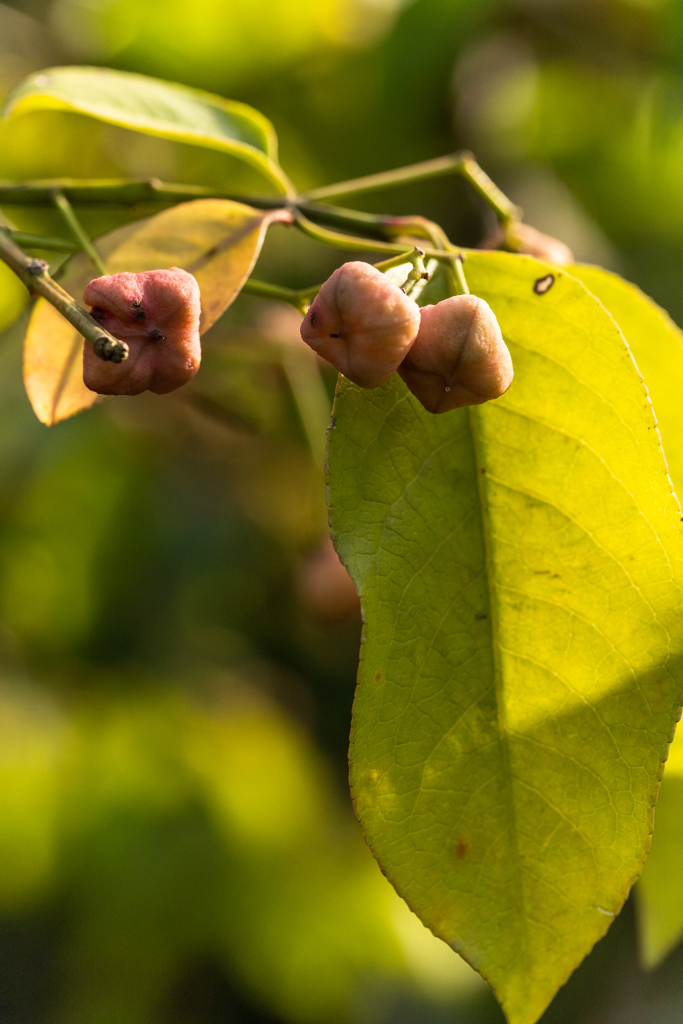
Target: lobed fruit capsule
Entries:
(459, 356)
(362, 323)
(157, 314)
(531, 242)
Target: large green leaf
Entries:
(657, 345)
(519, 565)
(154, 107)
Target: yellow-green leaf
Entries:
(657, 344)
(216, 240)
(154, 107)
(520, 568)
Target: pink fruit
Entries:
(531, 242)
(362, 323)
(459, 356)
(157, 314)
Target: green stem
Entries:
(72, 221)
(270, 291)
(401, 176)
(504, 208)
(458, 274)
(28, 241)
(355, 244)
(302, 297)
(119, 192)
(415, 289)
(417, 272)
(123, 192)
(395, 261)
(116, 191)
(457, 163)
(34, 274)
(417, 227)
(299, 299)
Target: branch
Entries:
(124, 192)
(459, 283)
(385, 179)
(118, 192)
(29, 241)
(299, 299)
(34, 274)
(458, 163)
(354, 244)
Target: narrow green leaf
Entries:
(657, 345)
(154, 107)
(519, 565)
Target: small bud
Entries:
(530, 242)
(362, 323)
(157, 315)
(459, 356)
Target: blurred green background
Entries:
(178, 644)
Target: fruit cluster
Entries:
(449, 355)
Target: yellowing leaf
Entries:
(216, 240)
(53, 366)
(657, 344)
(520, 568)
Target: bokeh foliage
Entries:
(176, 838)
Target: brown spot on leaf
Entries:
(462, 848)
(544, 284)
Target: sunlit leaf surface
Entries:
(657, 344)
(154, 107)
(216, 240)
(519, 565)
